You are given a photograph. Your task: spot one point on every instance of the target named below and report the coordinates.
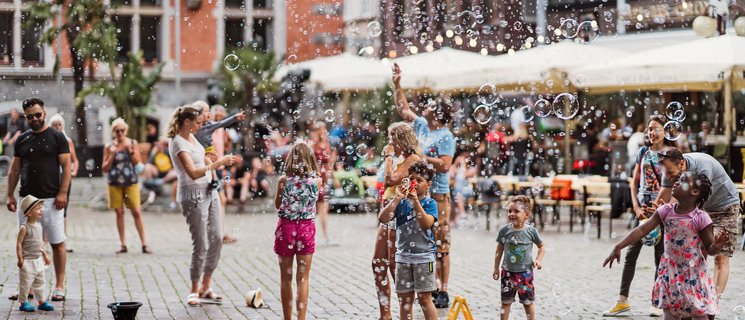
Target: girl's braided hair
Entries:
(703, 184)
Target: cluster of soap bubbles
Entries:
(565, 106)
(675, 115)
(739, 312)
(582, 32)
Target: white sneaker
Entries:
(655, 312)
(151, 197)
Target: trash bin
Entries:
(124, 310)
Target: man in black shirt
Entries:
(42, 162)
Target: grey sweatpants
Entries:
(203, 217)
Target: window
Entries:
(234, 32)
(6, 38)
(261, 34)
(139, 28)
(32, 53)
(123, 36)
(149, 35)
(234, 3)
(31, 49)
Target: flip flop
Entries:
(58, 295)
(123, 249)
(15, 296)
(210, 297)
(193, 299)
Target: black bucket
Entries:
(124, 310)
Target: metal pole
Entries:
(540, 18)
(177, 69)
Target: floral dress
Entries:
(299, 198)
(684, 285)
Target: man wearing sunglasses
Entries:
(39, 154)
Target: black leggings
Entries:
(629, 265)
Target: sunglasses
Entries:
(32, 116)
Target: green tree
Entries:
(130, 95)
(244, 74)
(91, 37)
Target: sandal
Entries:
(122, 250)
(146, 250)
(58, 295)
(210, 297)
(228, 240)
(192, 299)
(15, 297)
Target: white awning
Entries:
(342, 72)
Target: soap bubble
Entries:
(542, 108)
(329, 115)
(675, 111)
(488, 94)
(673, 130)
(567, 29)
(527, 113)
(608, 16)
(587, 32)
(232, 62)
(362, 150)
(517, 26)
(349, 150)
(557, 290)
(739, 312)
(566, 106)
(374, 28)
(482, 114)
(90, 164)
(296, 114)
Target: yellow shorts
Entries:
(128, 196)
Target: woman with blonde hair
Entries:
(325, 158)
(122, 162)
(200, 204)
(58, 123)
(401, 152)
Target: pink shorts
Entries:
(294, 237)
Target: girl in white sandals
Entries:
(200, 203)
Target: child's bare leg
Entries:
(405, 301)
(380, 272)
(668, 315)
(505, 311)
(285, 287)
(530, 311)
(428, 307)
(303, 270)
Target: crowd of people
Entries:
(422, 184)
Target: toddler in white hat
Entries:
(31, 256)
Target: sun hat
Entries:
(28, 202)
(254, 298)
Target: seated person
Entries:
(158, 171)
(345, 181)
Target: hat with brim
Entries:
(255, 299)
(29, 202)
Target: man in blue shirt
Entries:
(438, 145)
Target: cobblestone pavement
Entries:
(572, 284)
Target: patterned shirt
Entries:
(299, 198)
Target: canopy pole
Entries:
(729, 112)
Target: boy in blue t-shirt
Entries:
(415, 240)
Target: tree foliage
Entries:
(131, 94)
(91, 34)
(245, 73)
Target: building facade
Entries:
(190, 36)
